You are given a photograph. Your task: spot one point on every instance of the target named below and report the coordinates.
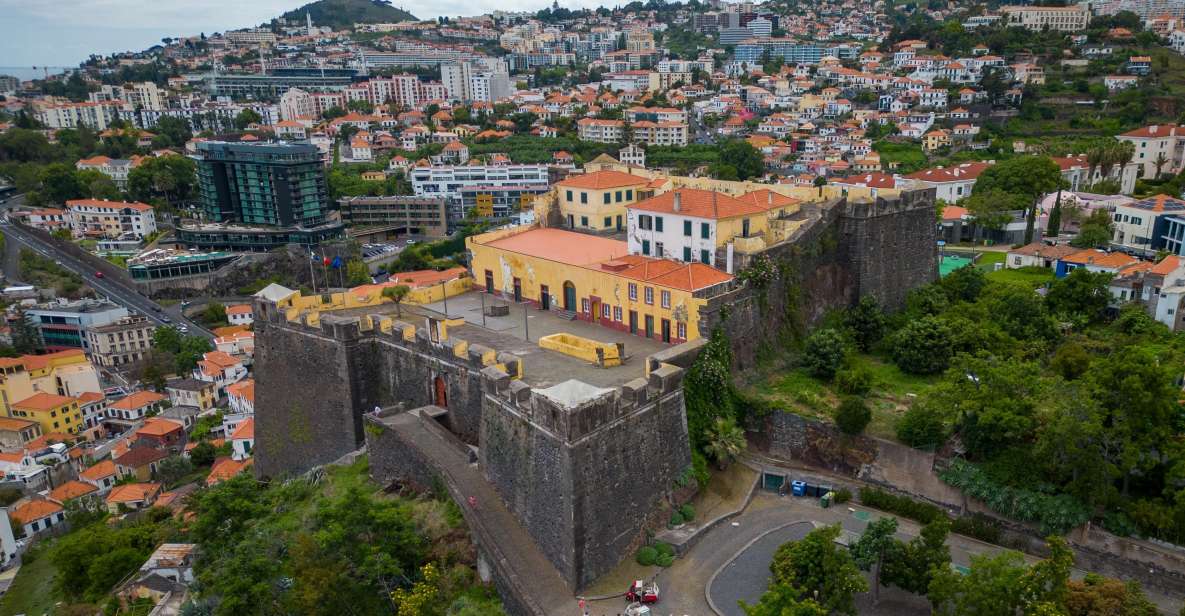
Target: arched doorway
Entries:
(569, 296)
(440, 392)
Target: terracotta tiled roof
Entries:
(1098, 258)
(137, 400)
(562, 246)
(34, 509)
(600, 180)
(1166, 265)
(1157, 131)
(246, 430)
(133, 492)
(70, 490)
(239, 309)
(43, 401)
(106, 468)
(243, 389)
(15, 424)
(766, 198)
(955, 173)
(1044, 250)
(698, 203)
(225, 468)
(142, 207)
(667, 273)
(158, 426)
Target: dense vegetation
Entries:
(311, 545)
(816, 576)
(343, 14)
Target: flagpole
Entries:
(312, 275)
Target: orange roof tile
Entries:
(239, 309)
(70, 490)
(243, 389)
(562, 246)
(115, 205)
(1166, 265)
(600, 180)
(158, 426)
(137, 400)
(246, 430)
(766, 198)
(43, 401)
(34, 509)
(699, 204)
(15, 424)
(133, 492)
(106, 468)
(225, 468)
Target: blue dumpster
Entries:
(798, 488)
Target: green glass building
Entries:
(278, 189)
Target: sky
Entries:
(66, 32)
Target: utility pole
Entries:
(526, 325)
(483, 308)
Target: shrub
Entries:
(1117, 523)
(866, 321)
(923, 346)
(1055, 514)
(901, 505)
(646, 556)
(853, 381)
(842, 495)
(687, 511)
(676, 518)
(979, 526)
(664, 549)
(852, 416)
(824, 353)
(921, 427)
(665, 560)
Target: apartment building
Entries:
(144, 95)
(411, 214)
(54, 412)
(66, 373)
(1070, 18)
(660, 133)
(601, 131)
(115, 168)
(126, 341)
(64, 325)
(1160, 148)
(1143, 226)
(483, 79)
(461, 185)
(97, 116)
(202, 395)
(110, 219)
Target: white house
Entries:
(37, 515)
(242, 441)
(220, 368)
(1135, 223)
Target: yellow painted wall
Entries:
(611, 288)
(64, 418)
(596, 210)
(312, 306)
(730, 229)
(582, 348)
(16, 383)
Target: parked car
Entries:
(98, 274)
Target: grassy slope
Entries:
(32, 591)
(345, 13)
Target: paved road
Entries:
(116, 291)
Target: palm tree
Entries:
(1094, 157)
(725, 441)
(397, 294)
(1160, 162)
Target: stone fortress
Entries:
(548, 454)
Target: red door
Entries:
(441, 397)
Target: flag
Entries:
(325, 261)
(312, 256)
(337, 262)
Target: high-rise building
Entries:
(259, 196)
(487, 79)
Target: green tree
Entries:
(1082, 293)
(866, 322)
(1096, 595)
(397, 294)
(708, 390)
(922, 346)
(852, 416)
(171, 132)
(96, 185)
(172, 469)
(912, 565)
(1070, 361)
(202, 454)
(823, 352)
(993, 207)
(870, 549)
(742, 156)
(171, 178)
(1094, 232)
(817, 567)
(59, 183)
(964, 284)
(214, 314)
(246, 118)
(724, 441)
(357, 273)
(993, 586)
(784, 600)
(26, 338)
(995, 399)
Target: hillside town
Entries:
(748, 308)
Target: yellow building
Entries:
(55, 413)
(596, 201)
(935, 139)
(66, 373)
(596, 279)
